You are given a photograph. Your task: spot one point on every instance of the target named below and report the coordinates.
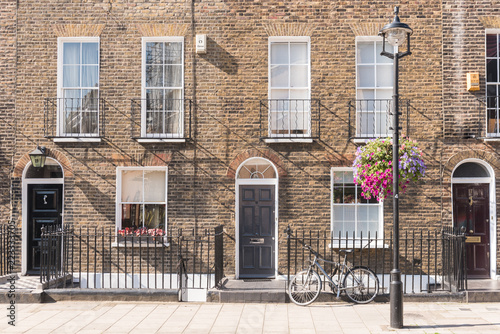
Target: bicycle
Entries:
(359, 283)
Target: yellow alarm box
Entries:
(472, 81)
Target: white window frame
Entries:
(60, 62)
(375, 40)
(118, 208)
(145, 40)
(343, 242)
(290, 39)
(491, 32)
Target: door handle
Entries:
(471, 231)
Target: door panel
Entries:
(257, 231)
(471, 212)
(44, 210)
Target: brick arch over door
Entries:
(268, 154)
(56, 155)
(457, 159)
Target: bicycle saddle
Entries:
(346, 250)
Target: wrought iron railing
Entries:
(161, 119)
(372, 118)
(428, 261)
(9, 248)
(290, 119)
(74, 118)
(98, 258)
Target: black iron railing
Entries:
(290, 119)
(9, 248)
(153, 119)
(74, 118)
(99, 258)
(424, 257)
(372, 118)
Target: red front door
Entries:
(471, 212)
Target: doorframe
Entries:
(492, 206)
(255, 182)
(24, 210)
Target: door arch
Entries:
(256, 219)
(42, 205)
(474, 211)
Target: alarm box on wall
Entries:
(472, 82)
(201, 44)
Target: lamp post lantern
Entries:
(396, 34)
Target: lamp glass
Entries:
(396, 36)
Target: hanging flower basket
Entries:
(373, 166)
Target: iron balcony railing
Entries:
(161, 119)
(372, 118)
(74, 118)
(290, 119)
(428, 261)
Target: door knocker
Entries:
(45, 199)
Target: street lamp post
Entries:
(396, 34)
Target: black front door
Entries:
(256, 231)
(471, 212)
(44, 209)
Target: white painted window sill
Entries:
(161, 140)
(288, 140)
(77, 140)
(491, 139)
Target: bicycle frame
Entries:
(344, 270)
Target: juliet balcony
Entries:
(289, 120)
(74, 119)
(161, 120)
(372, 118)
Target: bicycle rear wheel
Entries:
(361, 285)
(305, 287)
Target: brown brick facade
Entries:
(225, 86)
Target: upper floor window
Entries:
(78, 87)
(351, 213)
(289, 87)
(374, 87)
(492, 83)
(162, 113)
(141, 197)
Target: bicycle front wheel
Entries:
(305, 287)
(361, 285)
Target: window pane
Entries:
(298, 53)
(491, 45)
(348, 177)
(154, 216)
(279, 94)
(131, 216)
(90, 76)
(154, 53)
(299, 76)
(279, 76)
(173, 53)
(383, 59)
(154, 76)
(71, 76)
(71, 53)
(384, 94)
(365, 53)
(300, 94)
(366, 76)
(132, 186)
(173, 76)
(349, 194)
(279, 53)
(366, 94)
(154, 186)
(492, 70)
(90, 53)
(384, 75)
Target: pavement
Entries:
(339, 317)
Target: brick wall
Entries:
(226, 85)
